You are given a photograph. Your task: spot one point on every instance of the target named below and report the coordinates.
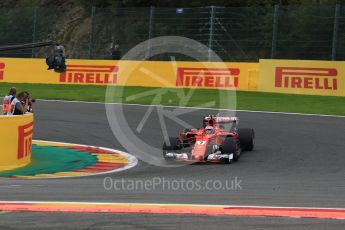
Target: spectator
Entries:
(115, 51)
(20, 104)
(6, 107)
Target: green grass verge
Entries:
(135, 95)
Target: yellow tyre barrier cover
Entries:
(204, 75)
(302, 77)
(15, 141)
(277, 76)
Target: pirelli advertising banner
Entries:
(16, 140)
(241, 76)
(302, 77)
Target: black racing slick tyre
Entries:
(246, 137)
(231, 145)
(173, 144)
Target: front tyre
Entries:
(173, 145)
(231, 146)
(246, 137)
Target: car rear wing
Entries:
(222, 120)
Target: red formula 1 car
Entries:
(211, 143)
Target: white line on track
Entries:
(11, 186)
(199, 108)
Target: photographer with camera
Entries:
(21, 104)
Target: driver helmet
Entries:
(209, 130)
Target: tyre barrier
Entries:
(15, 141)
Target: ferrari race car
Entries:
(211, 143)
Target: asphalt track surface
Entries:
(298, 162)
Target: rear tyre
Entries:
(232, 146)
(246, 137)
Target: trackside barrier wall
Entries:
(302, 77)
(211, 75)
(15, 141)
(278, 76)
